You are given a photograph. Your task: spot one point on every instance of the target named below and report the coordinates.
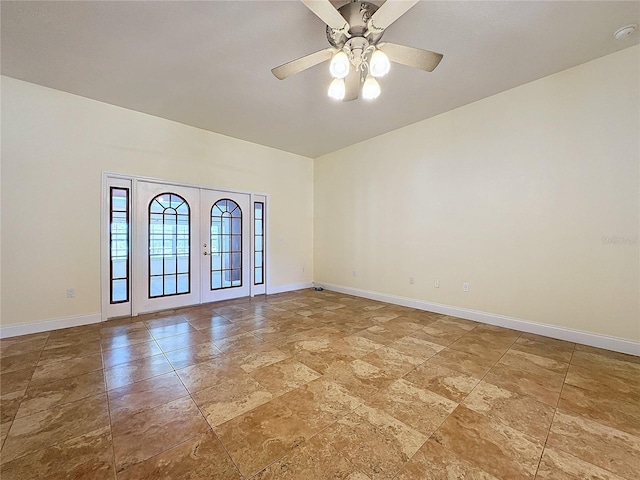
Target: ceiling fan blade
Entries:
(389, 12)
(308, 61)
(328, 14)
(352, 85)
(412, 57)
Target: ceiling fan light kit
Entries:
(379, 65)
(370, 88)
(357, 58)
(339, 66)
(354, 55)
(337, 89)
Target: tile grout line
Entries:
(296, 446)
(203, 415)
(23, 395)
(106, 391)
(578, 416)
(463, 399)
(133, 383)
(555, 411)
(56, 406)
(497, 361)
(306, 440)
(486, 373)
(343, 415)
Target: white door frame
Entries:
(114, 179)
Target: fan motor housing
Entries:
(357, 14)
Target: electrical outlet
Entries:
(411, 281)
(436, 284)
(355, 274)
(302, 269)
(465, 287)
(71, 293)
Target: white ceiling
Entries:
(207, 64)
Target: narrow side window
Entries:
(258, 261)
(119, 244)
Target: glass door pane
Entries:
(169, 251)
(225, 262)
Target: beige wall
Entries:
(55, 147)
(512, 194)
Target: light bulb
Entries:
(339, 66)
(379, 64)
(337, 89)
(371, 88)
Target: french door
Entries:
(225, 230)
(167, 246)
(188, 245)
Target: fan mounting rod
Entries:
(357, 49)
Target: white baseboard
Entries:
(562, 333)
(7, 331)
(288, 288)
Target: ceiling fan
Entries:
(356, 53)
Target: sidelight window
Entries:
(119, 244)
(258, 260)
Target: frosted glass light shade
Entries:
(371, 88)
(339, 66)
(337, 89)
(379, 64)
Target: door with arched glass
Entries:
(168, 262)
(225, 234)
(190, 245)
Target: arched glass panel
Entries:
(226, 245)
(169, 240)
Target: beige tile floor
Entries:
(313, 385)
